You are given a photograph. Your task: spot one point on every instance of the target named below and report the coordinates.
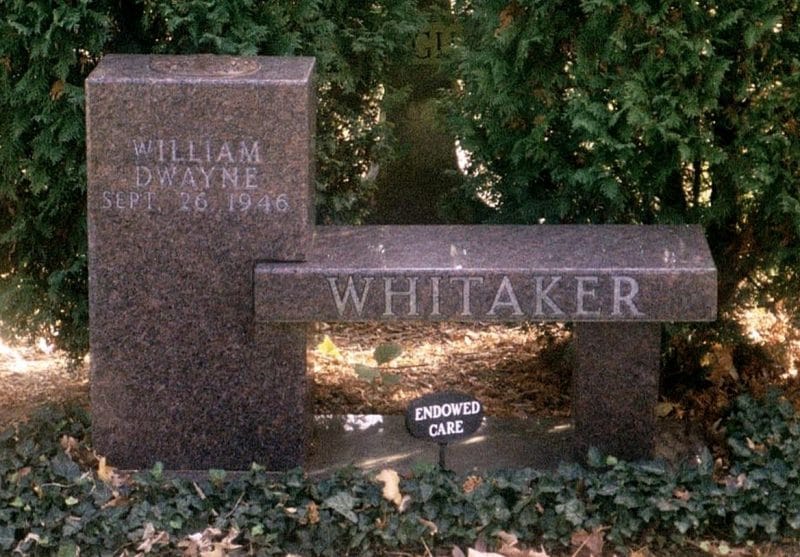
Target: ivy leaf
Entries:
(68, 549)
(683, 524)
(367, 373)
(64, 467)
(343, 504)
(7, 538)
(573, 510)
(387, 352)
(216, 476)
(389, 379)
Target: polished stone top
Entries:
(544, 247)
(204, 68)
(546, 272)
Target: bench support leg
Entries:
(280, 397)
(615, 387)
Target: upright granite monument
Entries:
(198, 167)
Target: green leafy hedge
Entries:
(48, 47)
(56, 497)
(642, 111)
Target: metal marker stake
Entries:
(442, 453)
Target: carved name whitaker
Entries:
(493, 296)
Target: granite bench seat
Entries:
(618, 283)
(493, 273)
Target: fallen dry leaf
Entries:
(31, 537)
(57, 90)
(109, 475)
(664, 409)
(69, 444)
(508, 538)
(22, 472)
(738, 482)
(510, 547)
(80, 454)
(328, 349)
(210, 543)
(118, 501)
(720, 362)
(312, 513)
(404, 504)
(526, 553)
(471, 483)
(431, 526)
(151, 538)
(104, 471)
(509, 14)
(226, 544)
(588, 544)
(755, 447)
(681, 493)
(475, 553)
(391, 486)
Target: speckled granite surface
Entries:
(197, 167)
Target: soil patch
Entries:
(33, 375)
(514, 370)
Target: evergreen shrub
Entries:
(48, 47)
(641, 111)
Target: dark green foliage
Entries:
(642, 111)
(47, 50)
(48, 47)
(54, 498)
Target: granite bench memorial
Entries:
(206, 268)
(618, 283)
